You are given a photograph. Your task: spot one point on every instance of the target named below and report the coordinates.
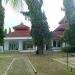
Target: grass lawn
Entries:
(20, 66)
(4, 62)
(44, 64)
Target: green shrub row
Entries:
(70, 49)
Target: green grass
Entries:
(44, 64)
(20, 67)
(4, 62)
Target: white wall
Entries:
(1, 48)
(63, 44)
(6, 45)
(20, 45)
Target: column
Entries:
(20, 44)
(56, 44)
(6, 45)
(52, 43)
(34, 47)
(63, 45)
(45, 47)
(1, 48)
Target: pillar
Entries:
(20, 45)
(52, 43)
(6, 45)
(56, 43)
(34, 47)
(45, 47)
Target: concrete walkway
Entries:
(9, 66)
(19, 66)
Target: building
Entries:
(57, 35)
(21, 39)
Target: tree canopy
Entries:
(1, 23)
(69, 6)
(40, 29)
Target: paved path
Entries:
(9, 66)
(19, 66)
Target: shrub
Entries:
(70, 49)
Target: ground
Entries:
(19, 64)
(15, 64)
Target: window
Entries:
(27, 45)
(58, 44)
(54, 43)
(13, 45)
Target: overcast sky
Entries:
(52, 9)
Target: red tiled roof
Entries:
(57, 35)
(21, 26)
(19, 34)
(63, 21)
(58, 32)
(20, 31)
(61, 27)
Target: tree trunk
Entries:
(40, 50)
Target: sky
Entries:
(52, 10)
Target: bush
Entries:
(70, 49)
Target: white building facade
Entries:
(19, 40)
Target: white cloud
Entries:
(52, 9)
(13, 18)
(53, 12)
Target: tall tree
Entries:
(39, 30)
(1, 23)
(9, 30)
(5, 32)
(69, 6)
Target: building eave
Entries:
(17, 38)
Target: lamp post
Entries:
(63, 9)
(67, 60)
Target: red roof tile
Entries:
(63, 21)
(58, 32)
(20, 31)
(21, 26)
(19, 34)
(61, 27)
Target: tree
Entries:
(69, 7)
(5, 32)
(9, 30)
(39, 30)
(1, 23)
